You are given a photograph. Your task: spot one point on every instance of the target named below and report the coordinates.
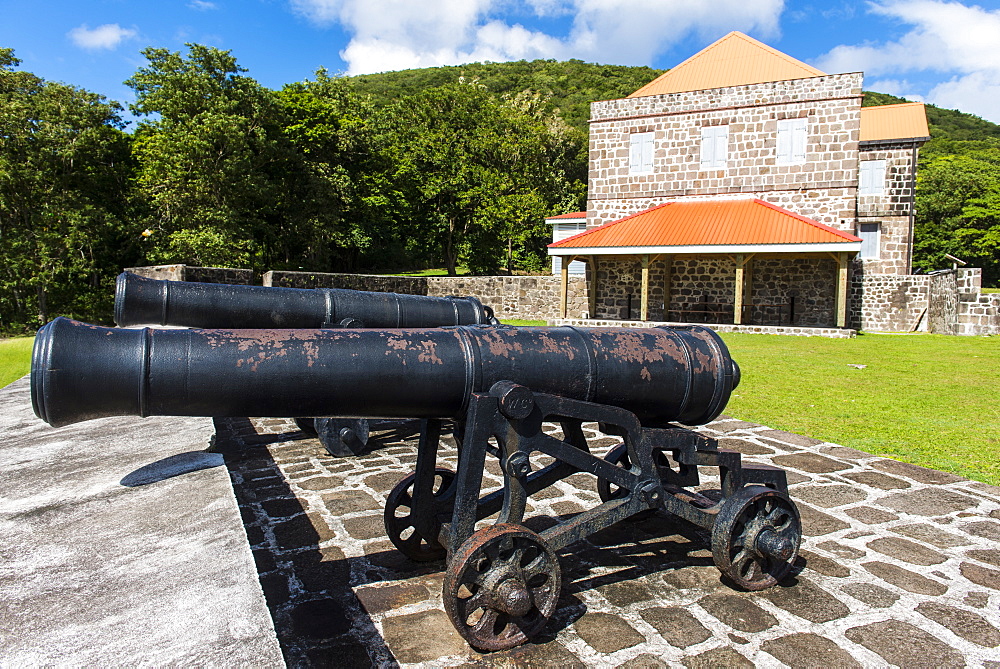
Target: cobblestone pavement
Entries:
(900, 565)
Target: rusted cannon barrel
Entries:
(142, 301)
(82, 371)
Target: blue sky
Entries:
(940, 51)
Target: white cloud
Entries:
(202, 5)
(107, 36)
(397, 34)
(948, 37)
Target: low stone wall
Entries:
(888, 302)
(198, 274)
(833, 333)
(520, 297)
(408, 285)
(979, 315)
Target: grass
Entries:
(930, 400)
(990, 290)
(516, 321)
(461, 271)
(15, 358)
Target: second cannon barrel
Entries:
(142, 301)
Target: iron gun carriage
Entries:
(144, 301)
(502, 384)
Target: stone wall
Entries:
(888, 302)
(408, 285)
(830, 104)
(198, 274)
(784, 291)
(979, 314)
(518, 297)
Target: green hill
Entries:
(570, 86)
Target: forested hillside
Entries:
(439, 167)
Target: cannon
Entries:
(502, 384)
(142, 301)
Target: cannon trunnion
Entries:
(501, 385)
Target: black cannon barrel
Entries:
(142, 301)
(82, 371)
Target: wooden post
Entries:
(564, 275)
(644, 295)
(669, 261)
(842, 289)
(742, 288)
(592, 295)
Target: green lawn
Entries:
(15, 358)
(931, 400)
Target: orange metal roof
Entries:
(575, 214)
(902, 121)
(734, 60)
(708, 223)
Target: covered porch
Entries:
(651, 267)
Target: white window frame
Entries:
(640, 152)
(871, 240)
(793, 140)
(871, 177)
(561, 231)
(714, 147)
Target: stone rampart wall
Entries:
(979, 315)
(888, 302)
(197, 274)
(519, 297)
(408, 285)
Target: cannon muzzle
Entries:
(142, 301)
(82, 371)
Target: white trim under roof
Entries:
(835, 247)
(557, 221)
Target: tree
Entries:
(958, 211)
(215, 169)
(64, 170)
(478, 173)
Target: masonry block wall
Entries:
(198, 274)
(408, 285)
(786, 291)
(892, 209)
(823, 188)
(518, 297)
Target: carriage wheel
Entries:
(501, 587)
(756, 537)
(399, 523)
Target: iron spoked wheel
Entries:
(756, 537)
(398, 517)
(501, 587)
(608, 491)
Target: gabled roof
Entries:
(888, 122)
(731, 225)
(734, 60)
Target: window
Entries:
(869, 233)
(872, 177)
(714, 147)
(640, 152)
(792, 135)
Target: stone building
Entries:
(745, 187)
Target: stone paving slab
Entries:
(121, 545)
(900, 565)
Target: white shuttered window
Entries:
(640, 152)
(792, 136)
(872, 178)
(714, 147)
